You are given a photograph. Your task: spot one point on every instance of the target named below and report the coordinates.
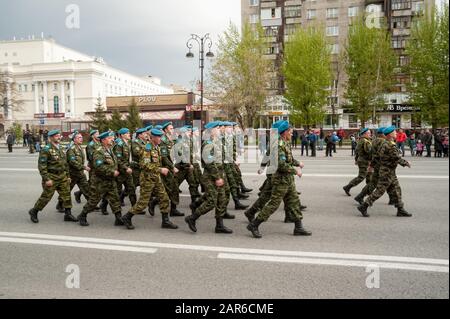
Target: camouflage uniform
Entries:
(136, 149)
(184, 166)
(150, 180)
(122, 152)
(91, 146)
(170, 181)
(387, 180)
(103, 182)
(363, 156)
(53, 166)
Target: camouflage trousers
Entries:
(60, 185)
(283, 189)
(78, 178)
(387, 182)
(232, 186)
(102, 188)
(188, 175)
(151, 185)
(214, 197)
(127, 181)
(362, 174)
(136, 177)
(171, 184)
(372, 185)
(238, 176)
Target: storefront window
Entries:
(396, 120)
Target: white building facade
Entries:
(55, 83)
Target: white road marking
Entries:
(232, 250)
(334, 262)
(18, 169)
(353, 175)
(77, 245)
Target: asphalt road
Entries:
(347, 256)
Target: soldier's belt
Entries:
(56, 172)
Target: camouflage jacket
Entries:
(376, 147)
(75, 159)
(212, 159)
(122, 152)
(52, 163)
(390, 156)
(286, 161)
(150, 159)
(363, 152)
(92, 145)
(105, 163)
(166, 150)
(136, 150)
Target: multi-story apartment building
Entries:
(280, 18)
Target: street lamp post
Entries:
(202, 41)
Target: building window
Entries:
(397, 120)
(25, 88)
(20, 87)
(55, 104)
(332, 13)
(290, 29)
(352, 11)
(332, 31)
(294, 11)
(254, 18)
(311, 14)
(401, 22)
(254, 3)
(399, 43)
(401, 4)
(32, 87)
(418, 7)
(334, 48)
(352, 121)
(55, 86)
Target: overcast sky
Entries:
(142, 37)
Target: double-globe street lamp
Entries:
(202, 42)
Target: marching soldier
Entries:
(363, 156)
(76, 162)
(238, 174)
(196, 158)
(213, 179)
(283, 186)
(389, 159)
(122, 152)
(103, 184)
(151, 183)
(55, 177)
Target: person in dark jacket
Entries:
(305, 142)
(428, 140)
(10, 140)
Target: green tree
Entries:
(429, 57)
(307, 75)
(369, 64)
(238, 76)
(133, 121)
(17, 129)
(116, 122)
(99, 120)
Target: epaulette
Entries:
(148, 147)
(91, 143)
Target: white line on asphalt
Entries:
(231, 249)
(334, 262)
(18, 169)
(77, 244)
(353, 175)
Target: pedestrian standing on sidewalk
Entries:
(10, 140)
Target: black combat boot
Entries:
(195, 198)
(82, 218)
(288, 218)
(303, 207)
(360, 199)
(391, 202)
(363, 209)
(245, 189)
(127, 220)
(253, 227)
(250, 214)
(59, 207)
(347, 190)
(133, 199)
(118, 221)
(174, 212)
(78, 197)
(238, 205)
(68, 217)
(401, 212)
(299, 230)
(166, 223)
(152, 205)
(190, 220)
(34, 215)
(241, 195)
(104, 207)
(227, 215)
(122, 198)
(194, 205)
(220, 228)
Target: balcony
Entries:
(401, 32)
(293, 20)
(271, 4)
(293, 3)
(401, 13)
(368, 2)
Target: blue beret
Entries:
(92, 132)
(380, 130)
(283, 127)
(156, 132)
(53, 132)
(123, 131)
(389, 130)
(212, 125)
(276, 124)
(194, 129)
(105, 135)
(159, 127)
(227, 123)
(189, 127)
(149, 128)
(165, 125)
(75, 133)
(363, 130)
(141, 130)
